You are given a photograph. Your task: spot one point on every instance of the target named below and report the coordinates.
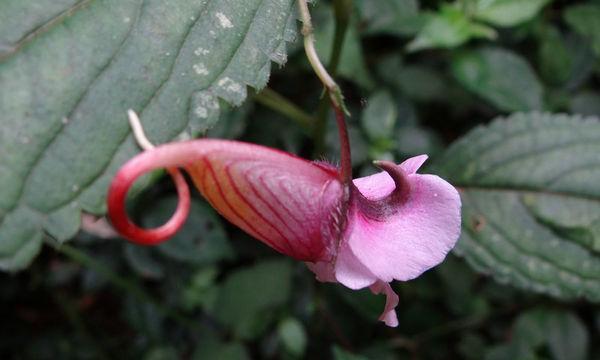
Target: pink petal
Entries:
(388, 316)
(412, 240)
(350, 271)
(410, 166)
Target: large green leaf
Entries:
(448, 28)
(530, 187)
(500, 76)
(585, 19)
(508, 12)
(545, 330)
(396, 17)
(69, 70)
(249, 297)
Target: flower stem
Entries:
(332, 87)
(345, 153)
(335, 95)
(342, 11)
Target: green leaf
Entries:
(201, 291)
(293, 336)
(508, 12)
(560, 331)
(585, 19)
(162, 353)
(141, 261)
(586, 103)
(352, 62)
(500, 76)
(555, 58)
(531, 202)
(210, 348)
(566, 336)
(395, 17)
(422, 83)
(379, 116)
(449, 28)
(341, 354)
(69, 71)
(249, 296)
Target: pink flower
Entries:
(390, 226)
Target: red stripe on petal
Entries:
(278, 215)
(291, 251)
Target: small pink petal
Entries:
(350, 271)
(410, 166)
(388, 316)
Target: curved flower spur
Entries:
(364, 233)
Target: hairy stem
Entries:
(280, 104)
(332, 87)
(342, 11)
(309, 48)
(345, 153)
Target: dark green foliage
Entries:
(504, 95)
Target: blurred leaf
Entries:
(560, 331)
(360, 146)
(585, 19)
(162, 353)
(293, 336)
(202, 238)
(396, 17)
(471, 346)
(352, 62)
(500, 76)
(249, 297)
(508, 12)
(210, 348)
(449, 28)
(586, 103)
(74, 68)
(362, 301)
(341, 354)
(140, 259)
(421, 83)
(201, 292)
(555, 59)
(510, 351)
(144, 318)
(531, 202)
(379, 117)
(566, 336)
(414, 140)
